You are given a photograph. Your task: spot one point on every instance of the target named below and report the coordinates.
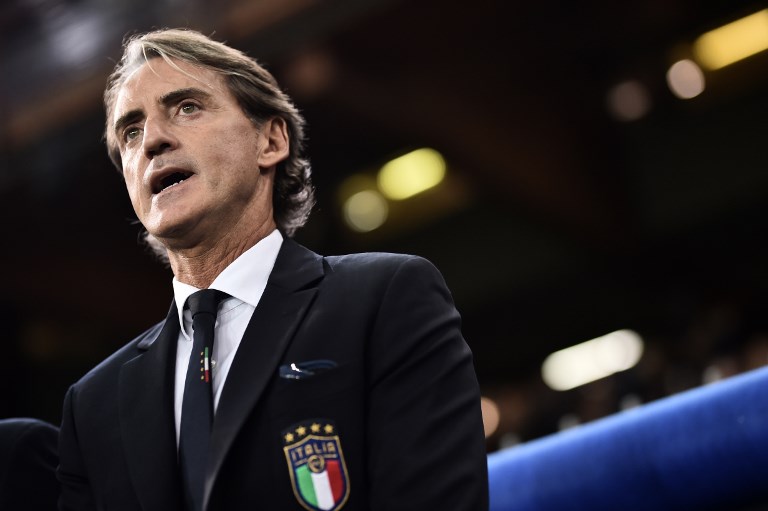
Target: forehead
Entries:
(157, 77)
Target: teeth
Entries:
(170, 186)
(176, 178)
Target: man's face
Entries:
(195, 166)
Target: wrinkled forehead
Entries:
(148, 81)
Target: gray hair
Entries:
(254, 88)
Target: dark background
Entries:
(557, 222)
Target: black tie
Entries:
(197, 406)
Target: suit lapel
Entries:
(146, 418)
(291, 287)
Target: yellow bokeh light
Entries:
(365, 211)
(733, 42)
(592, 360)
(685, 79)
(411, 174)
(629, 101)
(491, 415)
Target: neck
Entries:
(199, 266)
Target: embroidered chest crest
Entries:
(316, 465)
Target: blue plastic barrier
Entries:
(702, 449)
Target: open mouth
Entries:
(171, 180)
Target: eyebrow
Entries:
(166, 100)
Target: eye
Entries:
(188, 108)
(131, 133)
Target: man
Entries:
(336, 382)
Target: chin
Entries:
(165, 225)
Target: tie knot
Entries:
(206, 301)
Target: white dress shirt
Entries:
(244, 281)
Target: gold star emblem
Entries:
(328, 429)
(301, 431)
(315, 428)
(289, 437)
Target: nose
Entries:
(158, 138)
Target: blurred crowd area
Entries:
(722, 340)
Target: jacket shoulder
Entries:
(110, 367)
(383, 267)
(376, 261)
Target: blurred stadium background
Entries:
(596, 171)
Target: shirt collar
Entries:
(245, 278)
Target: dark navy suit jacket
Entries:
(400, 393)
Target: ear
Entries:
(277, 144)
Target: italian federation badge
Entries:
(316, 465)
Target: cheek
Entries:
(130, 177)
(238, 154)
(243, 141)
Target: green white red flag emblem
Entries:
(316, 465)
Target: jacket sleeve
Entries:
(425, 433)
(28, 457)
(76, 494)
